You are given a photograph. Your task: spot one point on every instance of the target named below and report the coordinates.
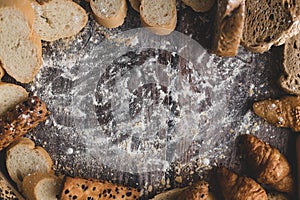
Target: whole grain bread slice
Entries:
(20, 47)
(41, 186)
(290, 81)
(269, 23)
(24, 158)
(229, 27)
(199, 5)
(10, 96)
(109, 13)
(79, 188)
(58, 19)
(159, 16)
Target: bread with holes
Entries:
(10, 96)
(290, 81)
(21, 119)
(24, 158)
(159, 16)
(109, 13)
(79, 188)
(199, 5)
(58, 19)
(229, 27)
(42, 186)
(20, 46)
(269, 23)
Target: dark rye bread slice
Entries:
(290, 81)
(269, 23)
(229, 27)
(79, 188)
(21, 119)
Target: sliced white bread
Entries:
(135, 4)
(58, 19)
(20, 47)
(24, 158)
(269, 23)
(10, 96)
(109, 13)
(199, 5)
(39, 186)
(2, 72)
(160, 16)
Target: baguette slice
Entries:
(159, 16)
(20, 47)
(24, 117)
(199, 5)
(109, 13)
(229, 27)
(10, 96)
(58, 19)
(269, 23)
(290, 82)
(79, 188)
(135, 4)
(39, 186)
(24, 158)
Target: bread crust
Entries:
(2, 72)
(200, 5)
(159, 29)
(135, 4)
(111, 21)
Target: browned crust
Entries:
(112, 21)
(135, 4)
(200, 5)
(23, 118)
(2, 72)
(229, 27)
(160, 29)
(96, 189)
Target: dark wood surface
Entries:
(255, 79)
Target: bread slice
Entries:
(160, 16)
(39, 186)
(229, 27)
(290, 81)
(10, 96)
(269, 23)
(7, 192)
(135, 4)
(24, 117)
(79, 188)
(109, 13)
(58, 19)
(20, 47)
(199, 5)
(24, 158)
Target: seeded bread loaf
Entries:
(10, 96)
(20, 47)
(24, 158)
(199, 5)
(40, 186)
(109, 13)
(21, 119)
(269, 23)
(78, 188)
(58, 19)
(290, 81)
(159, 16)
(229, 27)
(135, 4)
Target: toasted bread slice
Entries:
(20, 47)
(24, 158)
(159, 16)
(229, 27)
(41, 186)
(10, 96)
(58, 19)
(269, 23)
(109, 13)
(199, 5)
